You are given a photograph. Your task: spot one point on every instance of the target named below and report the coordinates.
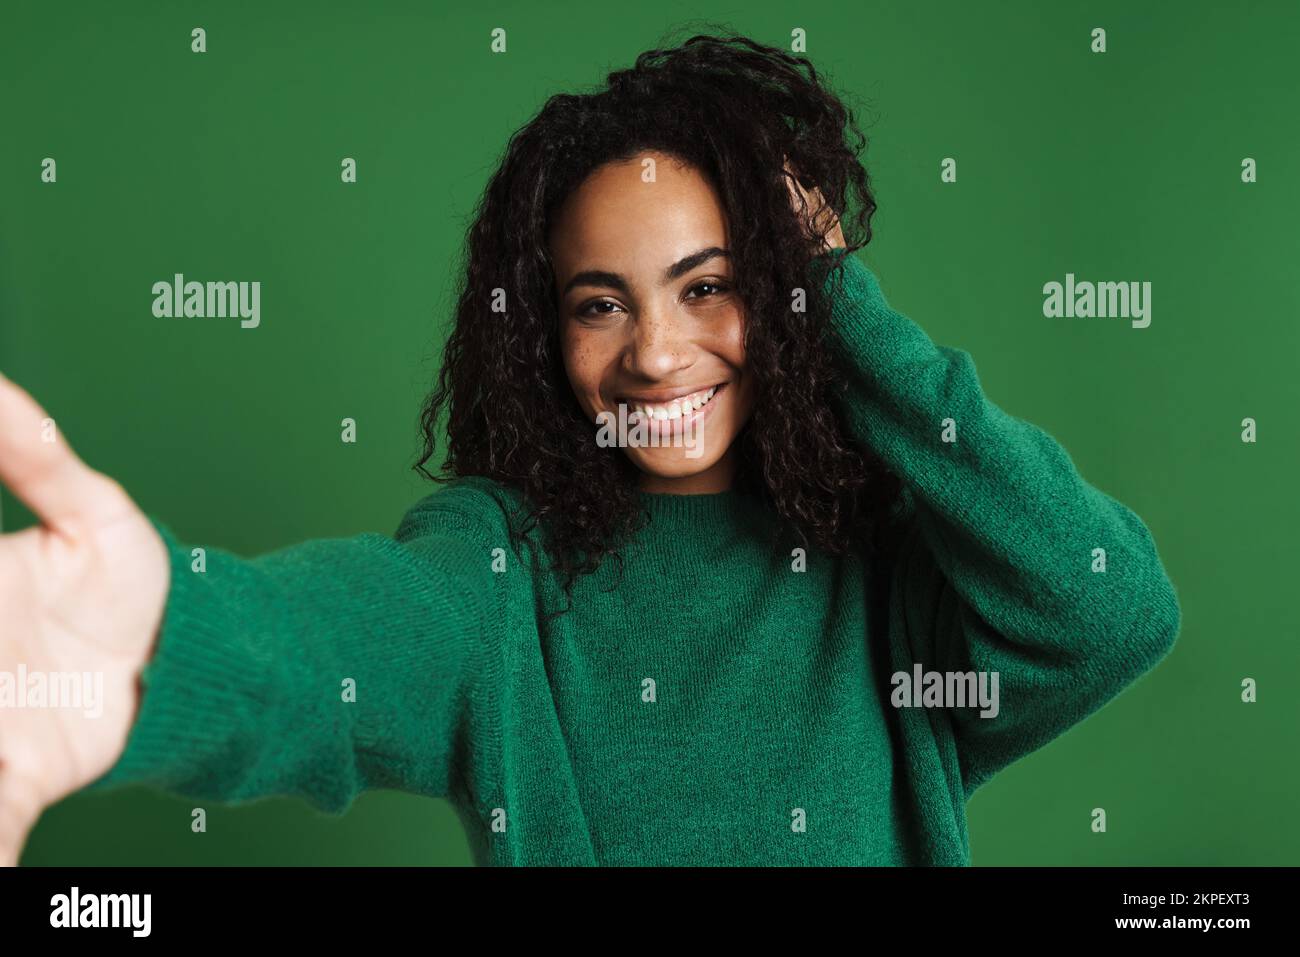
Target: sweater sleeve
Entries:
(318, 671)
(1000, 569)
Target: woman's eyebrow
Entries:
(613, 280)
(693, 261)
(595, 277)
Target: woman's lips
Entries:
(671, 405)
(668, 425)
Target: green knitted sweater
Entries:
(724, 704)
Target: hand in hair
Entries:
(821, 223)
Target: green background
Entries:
(1116, 166)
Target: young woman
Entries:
(840, 592)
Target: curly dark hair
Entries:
(735, 110)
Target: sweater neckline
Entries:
(708, 507)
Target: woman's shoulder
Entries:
(467, 503)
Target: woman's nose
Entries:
(659, 345)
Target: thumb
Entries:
(39, 466)
(19, 809)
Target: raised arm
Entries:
(1013, 563)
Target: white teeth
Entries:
(677, 408)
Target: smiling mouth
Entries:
(676, 408)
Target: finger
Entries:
(18, 814)
(39, 466)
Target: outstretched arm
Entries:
(319, 670)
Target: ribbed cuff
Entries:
(872, 334)
(190, 687)
(855, 296)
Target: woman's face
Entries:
(649, 320)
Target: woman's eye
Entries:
(591, 311)
(717, 288)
